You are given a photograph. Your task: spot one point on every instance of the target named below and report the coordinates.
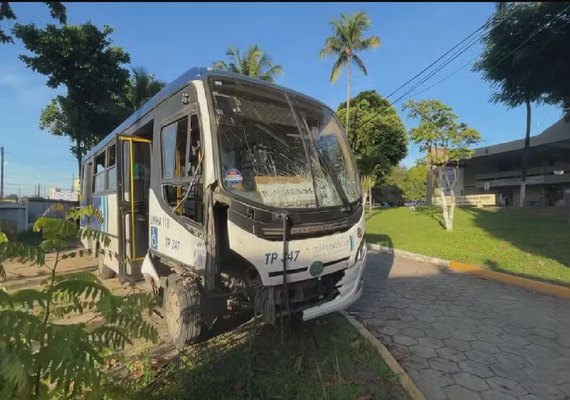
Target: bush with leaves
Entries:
(41, 355)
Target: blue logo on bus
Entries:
(154, 237)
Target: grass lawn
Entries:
(529, 243)
(322, 359)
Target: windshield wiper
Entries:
(309, 164)
(329, 169)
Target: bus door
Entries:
(134, 159)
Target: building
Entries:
(497, 169)
(66, 195)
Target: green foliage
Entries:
(527, 59)
(439, 129)
(411, 182)
(45, 357)
(526, 54)
(56, 8)
(445, 142)
(255, 63)
(376, 134)
(510, 71)
(142, 86)
(415, 183)
(347, 40)
(81, 58)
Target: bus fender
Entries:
(149, 271)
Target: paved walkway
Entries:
(463, 337)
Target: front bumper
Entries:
(350, 290)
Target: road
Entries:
(463, 337)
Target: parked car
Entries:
(414, 203)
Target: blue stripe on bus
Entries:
(104, 213)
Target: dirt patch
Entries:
(20, 275)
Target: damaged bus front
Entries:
(295, 211)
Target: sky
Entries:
(169, 38)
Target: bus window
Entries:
(174, 149)
(86, 183)
(99, 174)
(181, 155)
(111, 169)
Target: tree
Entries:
(81, 58)
(43, 357)
(551, 52)
(415, 183)
(445, 142)
(255, 63)
(56, 8)
(526, 59)
(376, 135)
(346, 41)
(397, 176)
(405, 183)
(412, 181)
(141, 87)
(391, 190)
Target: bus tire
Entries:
(104, 271)
(182, 311)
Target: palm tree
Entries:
(501, 6)
(142, 86)
(255, 63)
(347, 40)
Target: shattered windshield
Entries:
(281, 151)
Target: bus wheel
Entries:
(182, 311)
(104, 271)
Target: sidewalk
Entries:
(463, 337)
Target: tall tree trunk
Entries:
(79, 156)
(451, 210)
(429, 177)
(525, 156)
(347, 94)
(78, 140)
(369, 198)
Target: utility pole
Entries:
(2, 174)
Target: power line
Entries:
(455, 55)
(24, 162)
(448, 76)
(17, 184)
(425, 79)
(31, 165)
(504, 58)
(436, 61)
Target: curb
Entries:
(409, 386)
(531, 284)
(537, 286)
(408, 254)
